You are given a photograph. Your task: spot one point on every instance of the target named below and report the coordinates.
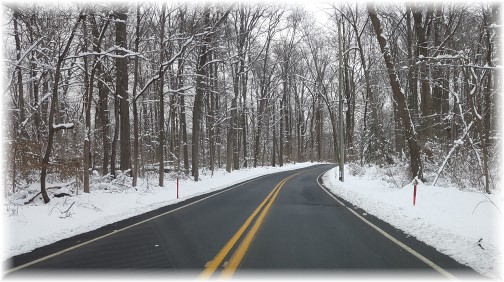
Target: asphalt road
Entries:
(284, 223)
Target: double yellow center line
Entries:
(234, 262)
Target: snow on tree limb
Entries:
(110, 53)
(164, 67)
(63, 126)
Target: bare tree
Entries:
(161, 139)
(200, 75)
(121, 15)
(398, 95)
(54, 98)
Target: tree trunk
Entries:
(422, 33)
(211, 120)
(243, 77)
(318, 129)
(161, 138)
(122, 87)
(183, 125)
(18, 69)
(113, 153)
(88, 96)
(183, 122)
(136, 158)
(88, 86)
(235, 121)
(198, 98)
(487, 99)
(103, 121)
(412, 80)
(229, 140)
(264, 88)
(438, 77)
(273, 120)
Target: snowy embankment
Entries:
(37, 224)
(464, 225)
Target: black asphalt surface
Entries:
(305, 230)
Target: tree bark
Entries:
(412, 68)
(161, 137)
(122, 87)
(88, 97)
(422, 33)
(136, 159)
(487, 100)
(103, 118)
(87, 109)
(180, 85)
(18, 68)
(183, 125)
(198, 98)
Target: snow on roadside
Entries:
(31, 226)
(451, 220)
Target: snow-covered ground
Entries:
(27, 227)
(451, 220)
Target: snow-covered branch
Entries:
(164, 67)
(63, 126)
(110, 53)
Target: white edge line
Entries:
(388, 236)
(125, 228)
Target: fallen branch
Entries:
(52, 187)
(479, 243)
(67, 211)
(36, 195)
(60, 195)
(487, 201)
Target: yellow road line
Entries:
(237, 257)
(214, 264)
(388, 236)
(243, 247)
(123, 229)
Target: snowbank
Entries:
(451, 220)
(35, 225)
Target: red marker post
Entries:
(415, 182)
(177, 187)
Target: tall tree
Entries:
(377, 144)
(102, 123)
(423, 28)
(265, 75)
(200, 85)
(121, 15)
(198, 98)
(136, 138)
(52, 128)
(88, 92)
(161, 138)
(19, 73)
(398, 96)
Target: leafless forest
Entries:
(101, 90)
